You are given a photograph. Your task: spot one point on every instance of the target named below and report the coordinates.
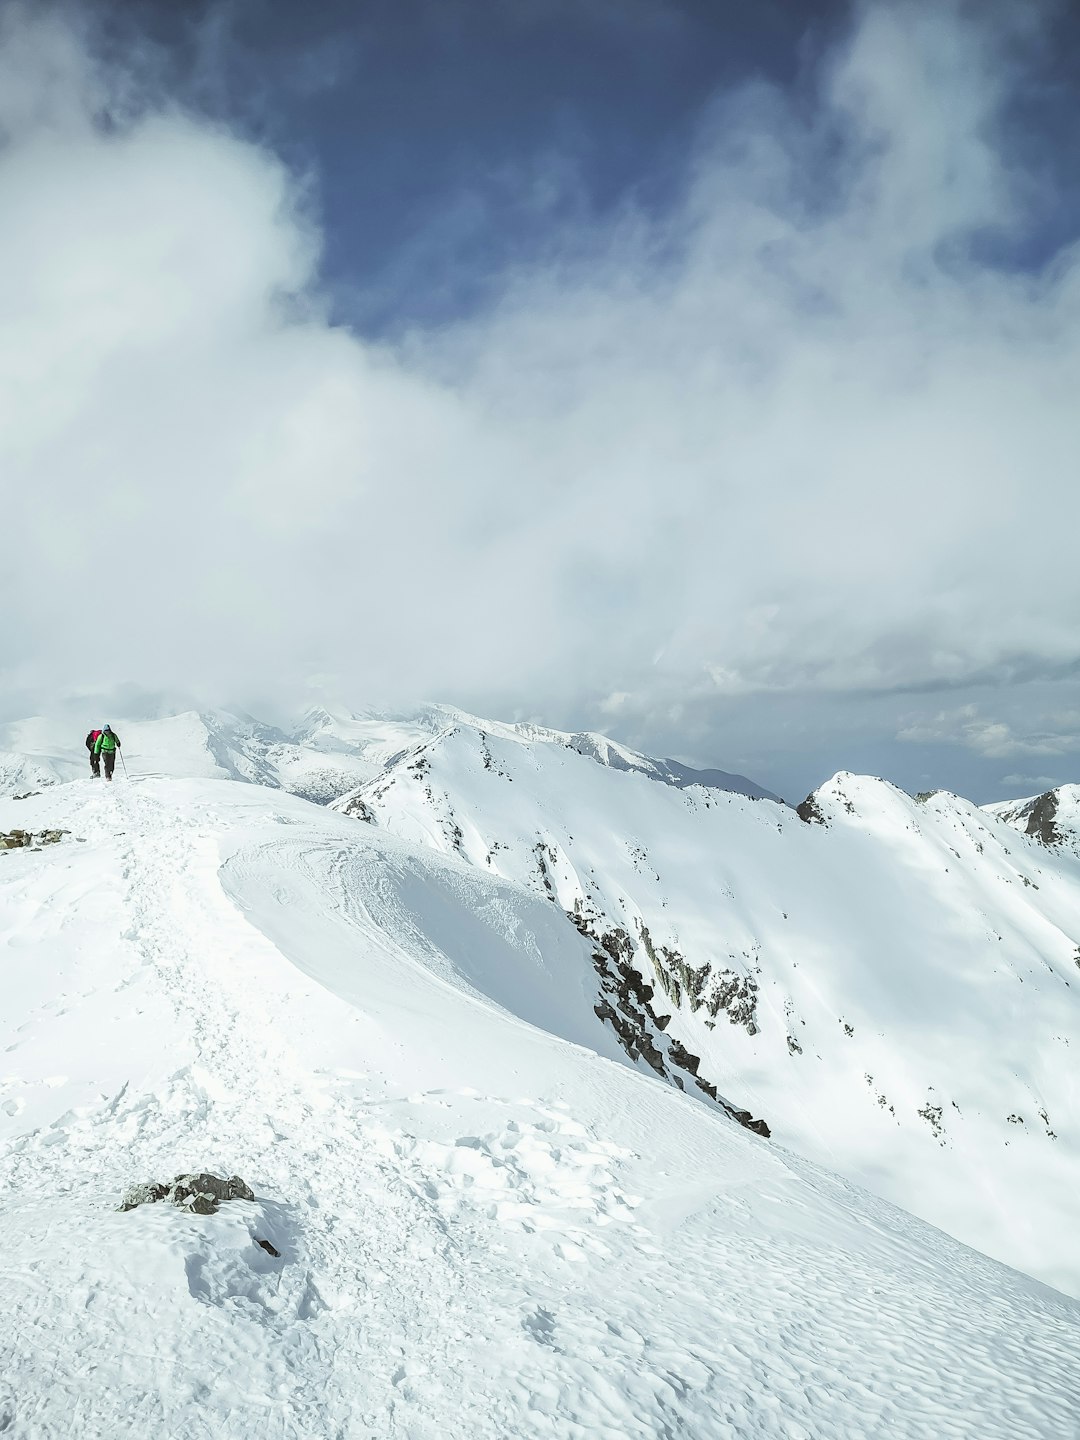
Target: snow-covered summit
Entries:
(430, 721)
(1053, 818)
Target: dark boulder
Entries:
(144, 1194)
(200, 1193)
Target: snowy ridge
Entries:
(487, 1218)
(388, 737)
(1052, 818)
(843, 977)
(325, 756)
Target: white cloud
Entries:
(787, 436)
(1036, 782)
(992, 739)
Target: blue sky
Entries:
(702, 373)
(428, 126)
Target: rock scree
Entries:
(25, 839)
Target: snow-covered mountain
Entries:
(891, 984)
(326, 755)
(1052, 818)
(474, 1035)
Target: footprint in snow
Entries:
(540, 1326)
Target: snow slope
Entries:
(325, 757)
(491, 1224)
(892, 984)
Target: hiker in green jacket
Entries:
(106, 745)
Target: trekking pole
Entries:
(124, 763)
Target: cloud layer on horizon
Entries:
(796, 435)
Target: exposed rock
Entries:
(145, 1194)
(811, 811)
(1041, 819)
(683, 1057)
(931, 1113)
(24, 839)
(736, 995)
(199, 1194)
(729, 991)
(202, 1193)
(625, 1003)
(634, 1039)
(359, 809)
(747, 1121)
(265, 1244)
(545, 858)
(200, 1202)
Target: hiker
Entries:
(95, 758)
(106, 746)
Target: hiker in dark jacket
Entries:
(95, 758)
(106, 745)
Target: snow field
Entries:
(489, 1226)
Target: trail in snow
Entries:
(487, 1229)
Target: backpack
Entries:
(91, 738)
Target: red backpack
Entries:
(91, 738)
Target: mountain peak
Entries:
(1052, 818)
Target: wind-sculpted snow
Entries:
(892, 984)
(430, 927)
(489, 1223)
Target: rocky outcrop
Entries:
(1041, 817)
(198, 1194)
(625, 1003)
(810, 811)
(1040, 821)
(359, 809)
(28, 840)
(704, 988)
